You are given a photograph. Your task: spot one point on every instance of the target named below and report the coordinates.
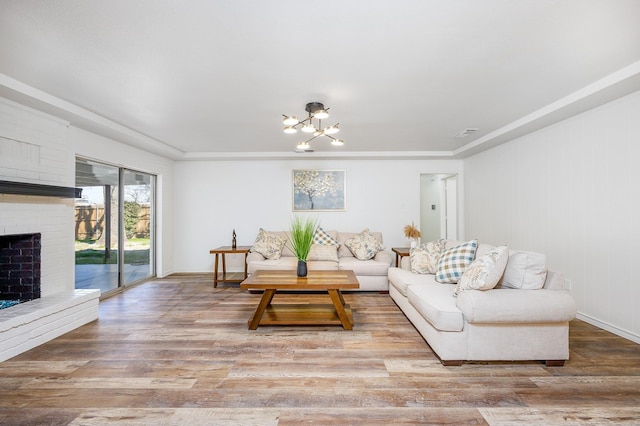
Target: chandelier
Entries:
(312, 125)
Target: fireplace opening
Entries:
(19, 268)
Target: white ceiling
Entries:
(211, 79)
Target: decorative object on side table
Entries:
(302, 232)
(413, 233)
(233, 240)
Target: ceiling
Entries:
(211, 79)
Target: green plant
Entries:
(302, 233)
(131, 218)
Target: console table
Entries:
(235, 277)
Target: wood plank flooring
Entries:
(177, 351)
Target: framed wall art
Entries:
(319, 190)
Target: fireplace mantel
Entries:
(22, 188)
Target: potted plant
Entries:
(413, 233)
(302, 233)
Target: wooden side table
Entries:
(400, 253)
(225, 277)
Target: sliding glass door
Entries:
(138, 226)
(114, 226)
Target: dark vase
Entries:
(302, 268)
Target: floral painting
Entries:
(319, 190)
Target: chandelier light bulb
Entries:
(331, 130)
(290, 120)
(321, 114)
(290, 129)
(303, 146)
(308, 128)
(337, 142)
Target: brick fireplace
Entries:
(20, 267)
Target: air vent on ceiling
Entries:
(466, 132)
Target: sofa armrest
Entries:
(516, 306)
(255, 257)
(383, 256)
(405, 263)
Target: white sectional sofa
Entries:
(501, 324)
(371, 273)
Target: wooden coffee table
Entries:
(332, 282)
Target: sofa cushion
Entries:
(455, 261)
(325, 238)
(437, 305)
(424, 258)
(268, 244)
(401, 279)
(363, 267)
(525, 269)
(484, 272)
(364, 245)
(323, 252)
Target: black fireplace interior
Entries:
(19, 268)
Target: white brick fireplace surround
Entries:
(34, 149)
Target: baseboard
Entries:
(606, 326)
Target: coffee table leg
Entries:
(264, 302)
(338, 303)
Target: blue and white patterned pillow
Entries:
(323, 238)
(364, 246)
(455, 261)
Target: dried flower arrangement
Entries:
(410, 231)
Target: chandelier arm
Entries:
(309, 140)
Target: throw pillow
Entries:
(424, 258)
(484, 272)
(268, 244)
(364, 245)
(455, 261)
(322, 237)
(323, 252)
(526, 270)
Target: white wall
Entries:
(90, 145)
(34, 148)
(215, 197)
(572, 191)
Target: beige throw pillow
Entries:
(424, 258)
(364, 246)
(268, 244)
(484, 272)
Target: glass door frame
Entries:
(121, 237)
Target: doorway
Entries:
(115, 220)
(438, 206)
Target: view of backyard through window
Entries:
(101, 215)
